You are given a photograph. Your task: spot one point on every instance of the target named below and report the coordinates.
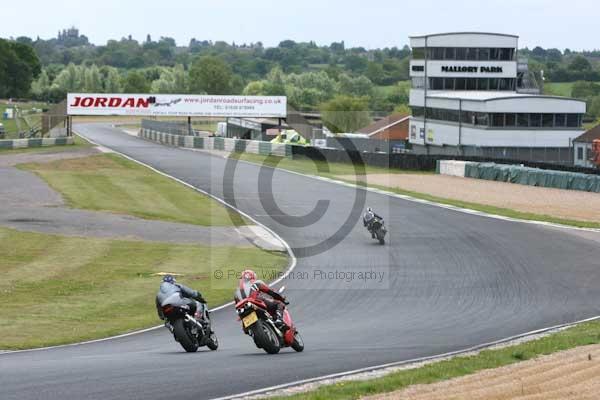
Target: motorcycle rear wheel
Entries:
(185, 339)
(265, 337)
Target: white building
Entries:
(469, 89)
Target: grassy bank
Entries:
(55, 293)
(585, 334)
(335, 170)
(321, 168)
(108, 182)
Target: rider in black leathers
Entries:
(368, 220)
(170, 286)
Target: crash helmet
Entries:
(169, 279)
(249, 276)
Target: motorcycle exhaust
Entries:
(198, 324)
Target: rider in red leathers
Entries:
(249, 285)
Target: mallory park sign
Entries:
(472, 69)
(174, 105)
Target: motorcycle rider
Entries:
(368, 220)
(249, 284)
(169, 286)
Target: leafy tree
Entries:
(210, 75)
(136, 82)
(580, 63)
(92, 80)
(112, 82)
(19, 66)
(345, 114)
(70, 79)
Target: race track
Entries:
(450, 281)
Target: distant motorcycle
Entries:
(258, 323)
(190, 331)
(378, 230)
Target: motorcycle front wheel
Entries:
(265, 337)
(213, 342)
(184, 337)
(298, 343)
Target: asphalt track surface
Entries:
(451, 280)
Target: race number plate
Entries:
(250, 319)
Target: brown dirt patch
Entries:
(566, 204)
(565, 375)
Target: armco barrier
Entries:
(217, 143)
(521, 175)
(39, 142)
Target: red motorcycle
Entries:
(258, 323)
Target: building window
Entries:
(461, 53)
(511, 120)
(535, 120)
(472, 53)
(436, 53)
(484, 54)
(450, 53)
(418, 111)
(471, 83)
(522, 120)
(418, 53)
(437, 83)
(494, 84)
(448, 83)
(498, 120)
(481, 119)
(548, 120)
(460, 84)
(580, 153)
(573, 120)
(560, 120)
(483, 84)
(506, 54)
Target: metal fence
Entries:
(553, 155)
(170, 127)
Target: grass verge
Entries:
(335, 170)
(108, 182)
(321, 168)
(581, 335)
(55, 293)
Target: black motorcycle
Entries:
(191, 331)
(378, 230)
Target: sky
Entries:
(371, 24)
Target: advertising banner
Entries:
(174, 105)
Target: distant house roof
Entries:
(383, 124)
(589, 136)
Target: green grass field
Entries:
(585, 334)
(58, 289)
(307, 166)
(387, 90)
(108, 182)
(558, 88)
